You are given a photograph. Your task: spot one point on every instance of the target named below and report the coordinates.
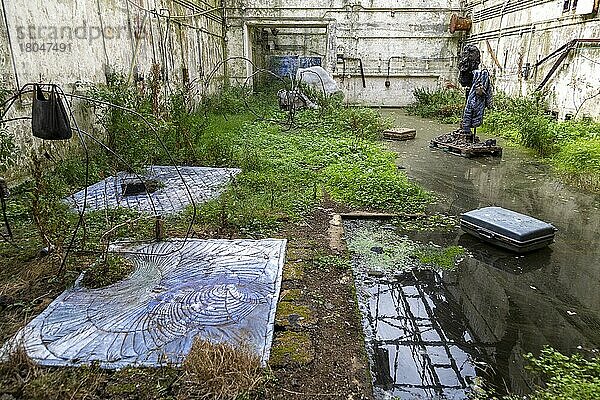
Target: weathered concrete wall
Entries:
(520, 33)
(75, 43)
(410, 36)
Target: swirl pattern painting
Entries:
(179, 186)
(219, 290)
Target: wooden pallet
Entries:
(399, 134)
(473, 150)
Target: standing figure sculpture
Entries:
(479, 92)
(478, 99)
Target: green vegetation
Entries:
(440, 257)
(286, 172)
(7, 143)
(292, 348)
(446, 105)
(291, 315)
(288, 168)
(571, 147)
(7, 150)
(573, 378)
(333, 261)
(106, 271)
(215, 371)
(559, 377)
(382, 250)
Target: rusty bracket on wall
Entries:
(562, 53)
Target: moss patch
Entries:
(444, 258)
(291, 295)
(298, 253)
(333, 261)
(291, 348)
(293, 271)
(292, 316)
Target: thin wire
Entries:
(170, 156)
(199, 14)
(288, 123)
(25, 90)
(86, 182)
(589, 59)
(10, 45)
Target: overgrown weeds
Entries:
(221, 371)
(217, 371)
(21, 378)
(572, 147)
(287, 170)
(565, 377)
(8, 147)
(446, 105)
(106, 270)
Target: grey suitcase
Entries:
(508, 229)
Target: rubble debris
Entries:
(466, 145)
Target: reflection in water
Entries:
(517, 304)
(504, 260)
(421, 344)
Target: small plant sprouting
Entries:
(106, 270)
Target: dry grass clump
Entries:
(221, 371)
(18, 364)
(21, 378)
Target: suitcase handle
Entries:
(485, 234)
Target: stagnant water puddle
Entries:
(419, 342)
(431, 331)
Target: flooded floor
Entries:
(507, 305)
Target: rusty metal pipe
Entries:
(460, 24)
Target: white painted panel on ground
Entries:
(217, 290)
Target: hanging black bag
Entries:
(49, 120)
